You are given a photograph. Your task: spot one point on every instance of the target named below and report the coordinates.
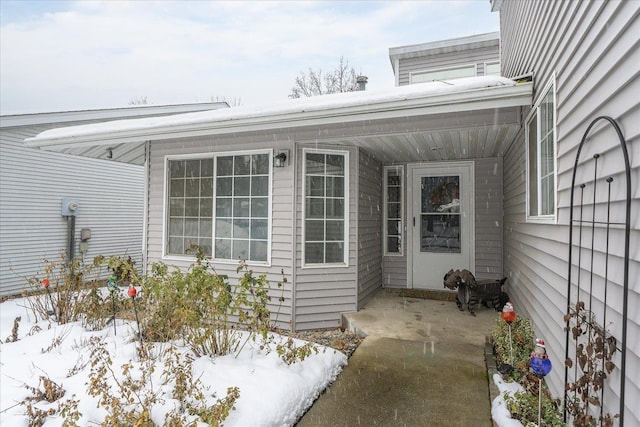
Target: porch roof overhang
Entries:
(472, 117)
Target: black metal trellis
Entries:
(584, 224)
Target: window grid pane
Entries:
(541, 159)
(242, 214)
(324, 193)
(190, 220)
(393, 225)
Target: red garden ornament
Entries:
(508, 314)
(132, 292)
(45, 282)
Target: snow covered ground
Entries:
(272, 393)
(499, 411)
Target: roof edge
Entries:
(489, 97)
(27, 119)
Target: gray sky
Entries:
(73, 55)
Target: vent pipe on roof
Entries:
(362, 82)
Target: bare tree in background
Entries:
(235, 102)
(138, 100)
(312, 83)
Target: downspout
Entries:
(294, 245)
(69, 210)
(145, 209)
(71, 242)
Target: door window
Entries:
(440, 214)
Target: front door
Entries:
(441, 221)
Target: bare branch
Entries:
(312, 83)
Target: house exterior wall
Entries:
(32, 228)
(478, 56)
(592, 51)
(33, 183)
(321, 293)
(488, 218)
(370, 205)
(488, 228)
(282, 264)
(476, 51)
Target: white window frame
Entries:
(418, 76)
(490, 63)
(345, 154)
(534, 118)
(385, 232)
(214, 156)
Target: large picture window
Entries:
(220, 204)
(541, 158)
(325, 207)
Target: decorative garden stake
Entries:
(132, 293)
(46, 283)
(509, 316)
(541, 366)
(112, 287)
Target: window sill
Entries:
(542, 219)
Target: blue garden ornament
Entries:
(112, 286)
(541, 366)
(540, 363)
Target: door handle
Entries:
(414, 221)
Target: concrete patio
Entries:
(422, 364)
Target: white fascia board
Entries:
(443, 46)
(486, 98)
(28, 119)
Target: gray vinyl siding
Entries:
(488, 218)
(478, 56)
(282, 211)
(32, 186)
(488, 228)
(593, 50)
(324, 293)
(369, 227)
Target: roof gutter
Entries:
(477, 99)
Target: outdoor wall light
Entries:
(280, 159)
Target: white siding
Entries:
(488, 228)
(488, 218)
(477, 57)
(282, 213)
(370, 207)
(324, 293)
(32, 186)
(593, 49)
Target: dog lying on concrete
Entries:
(472, 291)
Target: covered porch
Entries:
(400, 146)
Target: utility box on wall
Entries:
(70, 207)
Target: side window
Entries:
(325, 208)
(541, 157)
(393, 212)
(443, 74)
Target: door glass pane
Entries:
(440, 216)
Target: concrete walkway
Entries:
(422, 364)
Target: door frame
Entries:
(410, 214)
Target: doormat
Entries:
(428, 294)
